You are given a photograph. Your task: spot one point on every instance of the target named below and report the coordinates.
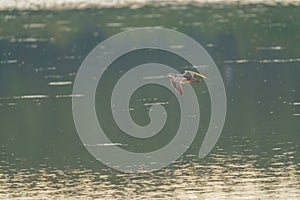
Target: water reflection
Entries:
(223, 175)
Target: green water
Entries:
(257, 156)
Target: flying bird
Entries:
(178, 79)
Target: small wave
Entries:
(52, 76)
(283, 60)
(263, 61)
(8, 61)
(105, 145)
(176, 46)
(44, 69)
(114, 24)
(37, 96)
(154, 77)
(238, 61)
(156, 103)
(34, 26)
(31, 96)
(210, 45)
(68, 95)
(29, 40)
(60, 83)
(274, 48)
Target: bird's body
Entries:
(178, 79)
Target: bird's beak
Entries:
(201, 75)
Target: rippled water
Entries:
(256, 50)
(239, 175)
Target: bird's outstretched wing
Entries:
(176, 83)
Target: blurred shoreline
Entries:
(6, 5)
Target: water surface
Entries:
(256, 50)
